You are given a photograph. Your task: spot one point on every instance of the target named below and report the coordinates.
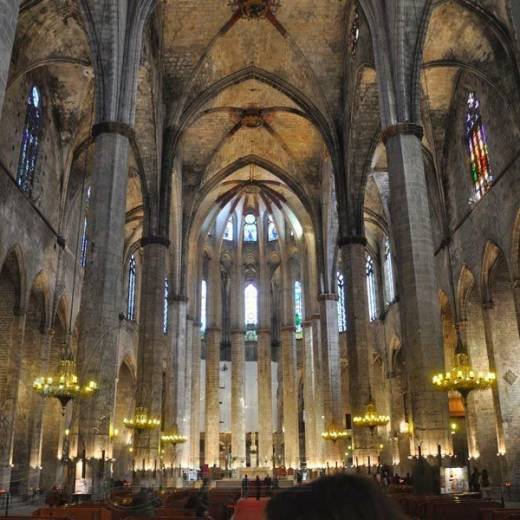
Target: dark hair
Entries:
(334, 498)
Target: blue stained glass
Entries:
(342, 307)
(272, 233)
(250, 229)
(371, 288)
(165, 306)
(203, 305)
(228, 231)
(131, 294)
(251, 311)
(30, 141)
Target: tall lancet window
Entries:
(84, 237)
(250, 229)
(298, 309)
(203, 306)
(30, 141)
(371, 288)
(342, 307)
(228, 231)
(165, 306)
(477, 147)
(131, 294)
(272, 234)
(389, 273)
(251, 311)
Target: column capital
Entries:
(316, 316)
(353, 239)
(288, 328)
(213, 329)
(113, 127)
(153, 239)
(189, 317)
(307, 323)
(237, 331)
(264, 330)
(402, 128)
(196, 324)
(328, 297)
(172, 298)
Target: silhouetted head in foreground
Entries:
(334, 498)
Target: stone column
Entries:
(318, 391)
(9, 396)
(211, 444)
(194, 440)
(331, 373)
(290, 397)
(309, 414)
(419, 303)
(238, 416)
(183, 450)
(101, 301)
(175, 348)
(8, 18)
(151, 349)
(265, 396)
(353, 251)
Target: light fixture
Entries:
(462, 377)
(173, 438)
(334, 434)
(142, 421)
(371, 419)
(64, 385)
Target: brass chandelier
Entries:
(64, 385)
(142, 421)
(371, 419)
(334, 434)
(462, 377)
(173, 438)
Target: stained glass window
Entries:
(477, 147)
(354, 32)
(165, 306)
(371, 288)
(389, 273)
(342, 308)
(251, 311)
(250, 229)
(228, 231)
(30, 141)
(84, 237)
(131, 294)
(272, 234)
(203, 305)
(298, 309)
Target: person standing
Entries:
(245, 486)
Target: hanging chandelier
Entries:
(252, 9)
(333, 433)
(142, 421)
(463, 378)
(173, 438)
(371, 419)
(65, 385)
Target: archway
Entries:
(125, 404)
(505, 339)
(10, 335)
(28, 404)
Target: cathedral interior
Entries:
(245, 235)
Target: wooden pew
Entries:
(459, 510)
(500, 514)
(76, 512)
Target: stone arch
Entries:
(481, 412)
(26, 431)
(504, 349)
(125, 404)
